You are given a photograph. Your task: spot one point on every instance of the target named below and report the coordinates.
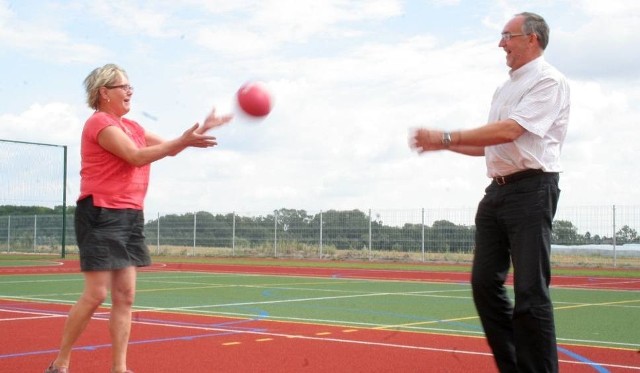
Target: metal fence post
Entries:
(275, 234)
(35, 231)
(233, 235)
(193, 249)
(63, 244)
(422, 236)
(8, 233)
(614, 236)
(320, 233)
(158, 235)
(370, 234)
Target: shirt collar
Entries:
(529, 66)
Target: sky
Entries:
(349, 81)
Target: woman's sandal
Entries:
(53, 369)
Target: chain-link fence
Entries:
(596, 235)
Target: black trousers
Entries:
(513, 226)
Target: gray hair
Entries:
(535, 24)
(98, 78)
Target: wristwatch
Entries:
(446, 139)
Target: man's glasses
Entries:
(126, 87)
(506, 36)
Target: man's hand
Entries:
(424, 140)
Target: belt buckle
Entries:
(500, 180)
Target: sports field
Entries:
(269, 316)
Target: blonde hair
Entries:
(98, 78)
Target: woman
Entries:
(116, 157)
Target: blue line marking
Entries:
(583, 359)
(108, 345)
(237, 329)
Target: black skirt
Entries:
(110, 239)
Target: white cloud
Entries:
(234, 40)
(628, 9)
(445, 2)
(55, 123)
(131, 18)
(339, 134)
(44, 39)
(346, 96)
(277, 22)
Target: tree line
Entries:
(346, 229)
(350, 229)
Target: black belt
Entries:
(502, 180)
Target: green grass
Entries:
(623, 272)
(586, 317)
(26, 260)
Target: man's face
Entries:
(520, 48)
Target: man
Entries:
(521, 143)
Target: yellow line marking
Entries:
(264, 339)
(382, 327)
(231, 343)
(350, 330)
(596, 304)
(180, 288)
(324, 333)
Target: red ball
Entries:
(254, 99)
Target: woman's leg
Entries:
(123, 290)
(96, 286)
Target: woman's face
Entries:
(118, 96)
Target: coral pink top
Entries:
(111, 181)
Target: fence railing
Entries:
(608, 232)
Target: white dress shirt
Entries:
(537, 97)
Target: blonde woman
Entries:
(116, 154)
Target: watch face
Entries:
(446, 139)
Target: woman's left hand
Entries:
(213, 121)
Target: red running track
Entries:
(177, 342)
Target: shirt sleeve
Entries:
(540, 107)
(97, 123)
